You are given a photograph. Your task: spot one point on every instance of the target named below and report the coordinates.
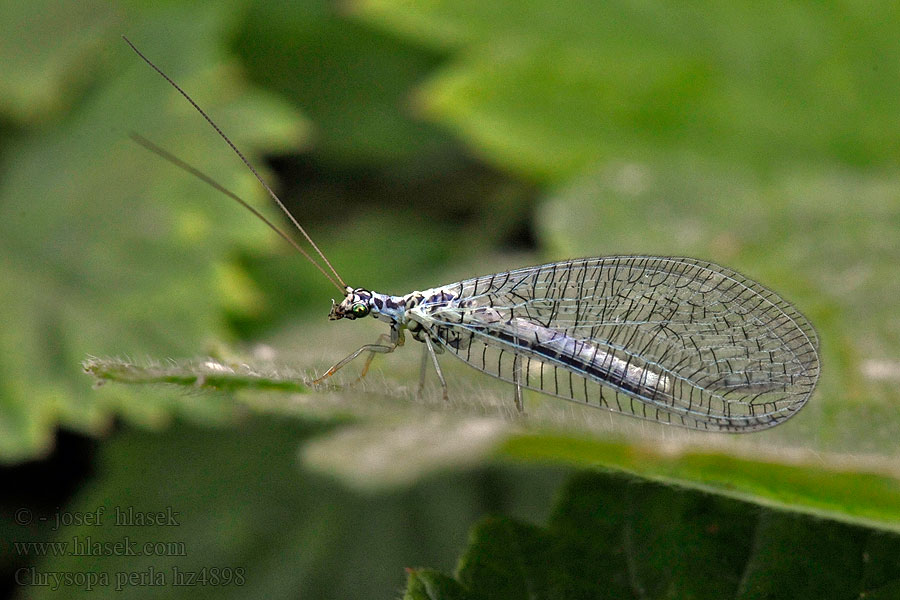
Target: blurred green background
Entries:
(422, 142)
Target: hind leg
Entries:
(517, 383)
(429, 345)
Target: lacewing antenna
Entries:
(336, 280)
(167, 156)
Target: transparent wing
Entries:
(674, 340)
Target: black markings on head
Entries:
(362, 295)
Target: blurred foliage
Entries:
(352, 81)
(100, 253)
(762, 136)
(641, 540)
(550, 89)
(239, 501)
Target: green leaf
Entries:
(49, 50)
(108, 250)
(807, 485)
(611, 537)
(208, 375)
(243, 517)
(507, 559)
(428, 584)
(831, 564)
(657, 537)
(548, 89)
(354, 82)
(386, 453)
(241, 500)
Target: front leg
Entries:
(381, 338)
(396, 339)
